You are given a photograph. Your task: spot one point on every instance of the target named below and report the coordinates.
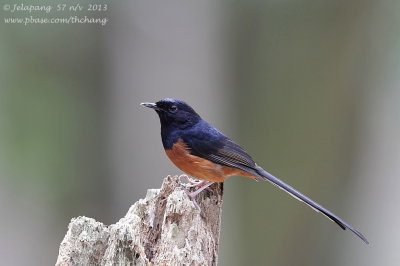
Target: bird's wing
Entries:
(232, 154)
(224, 151)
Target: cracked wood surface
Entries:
(164, 228)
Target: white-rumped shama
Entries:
(203, 152)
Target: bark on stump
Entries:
(165, 228)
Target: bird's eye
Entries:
(173, 108)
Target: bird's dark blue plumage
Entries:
(199, 149)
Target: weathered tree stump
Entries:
(165, 228)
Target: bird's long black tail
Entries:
(293, 192)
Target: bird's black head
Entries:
(174, 113)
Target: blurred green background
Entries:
(309, 88)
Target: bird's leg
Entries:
(190, 182)
(193, 194)
(202, 186)
(197, 184)
(193, 183)
(205, 184)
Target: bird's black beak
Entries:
(151, 105)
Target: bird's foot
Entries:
(202, 185)
(190, 182)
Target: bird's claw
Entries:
(192, 183)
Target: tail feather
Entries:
(264, 175)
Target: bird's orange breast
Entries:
(199, 167)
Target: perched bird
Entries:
(202, 151)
